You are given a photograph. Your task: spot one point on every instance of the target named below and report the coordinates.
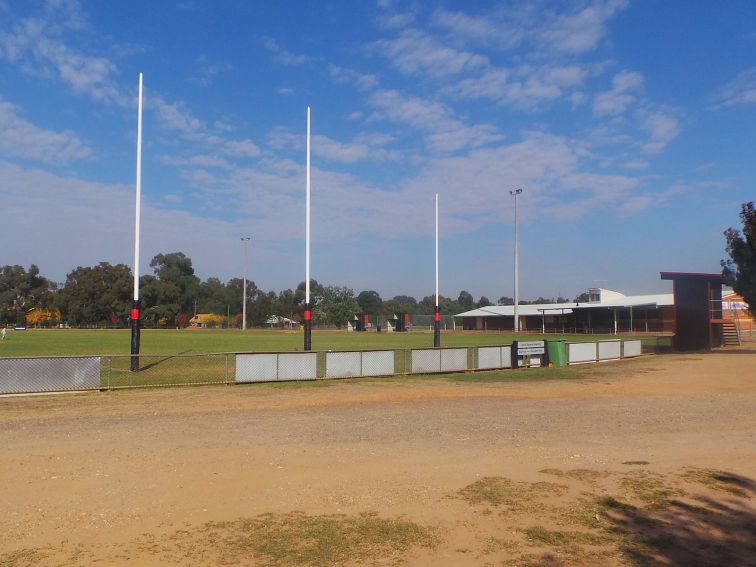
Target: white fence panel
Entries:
(298, 366)
(256, 368)
(581, 352)
(28, 375)
(378, 363)
(609, 350)
(426, 360)
(489, 357)
(494, 357)
(506, 356)
(343, 364)
(453, 359)
(631, 348)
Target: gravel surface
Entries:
(115, 478)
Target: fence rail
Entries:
(113, 372)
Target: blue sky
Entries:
(628, 125)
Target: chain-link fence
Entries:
(112, 372)
(49, 374)
(167, 370)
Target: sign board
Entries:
(530, 347)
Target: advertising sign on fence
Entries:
(530, 347)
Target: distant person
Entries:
(3, 334)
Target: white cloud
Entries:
(661, 128)
(391, 19)
(23, 139)
(66, 13)
(444, 132)
(414, 52)
(576, 28)
(637, 164)
(486, 29)
(740, 91)
(558, 185)
(283, 56)
(581, 31)
(417, 112)
(222, 126)
(625, 86)
(636, 204)
(36, 45)
(280, 138)
(207, 71)
(525, 86)
(242, 148)
(330, 150)
(343, 75)
(375, 139)
(450, 141)
(173, 115)
(195, 161)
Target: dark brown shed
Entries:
(698, 310)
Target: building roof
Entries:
(523, 310)
(652, 301)
(714, 278)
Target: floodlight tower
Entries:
(245, 240)
(516, 264)
(135, 308)
(307, 306)
(437, 310)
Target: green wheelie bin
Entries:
(557, 353)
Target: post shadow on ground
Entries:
(165, 358)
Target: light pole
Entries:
(245, 240)
(516, 264)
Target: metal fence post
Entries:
(225, 371)
(110, 371)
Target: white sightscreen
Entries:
(298, 366)
(609, 350)
(256, 367)
(26, 375)
(631, 348)
(378, 363)
(343, 364)
(426, 360)
(489, 357)
(581, 352)
(453, 359)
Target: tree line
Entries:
(102, 295)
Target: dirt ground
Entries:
(641, 462)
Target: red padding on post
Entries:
(135, 314)
(437, 316)
(307, 315)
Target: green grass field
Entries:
(171, 357)
(62, 342)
